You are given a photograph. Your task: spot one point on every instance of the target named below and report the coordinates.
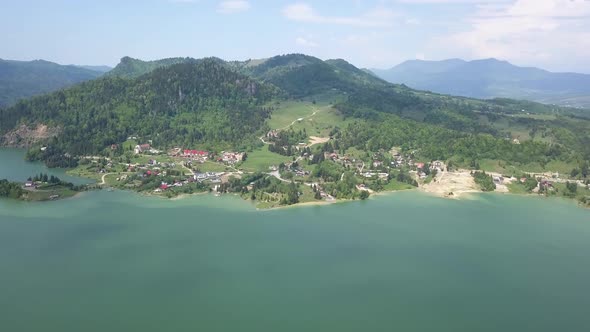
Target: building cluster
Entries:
(145, 149)
(231, 158)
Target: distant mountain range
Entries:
(101, 69)
(23, 79)
(491, 78)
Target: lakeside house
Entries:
(437, 165)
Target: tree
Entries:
(364, 194)
(571, 187)
(317, 195)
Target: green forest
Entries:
(215, 105)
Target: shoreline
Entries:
(461, 185)
(462, 195)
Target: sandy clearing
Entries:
(451, 184)
(313, 140)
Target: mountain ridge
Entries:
(24, 79)
(492, 78)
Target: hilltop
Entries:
(132, 68)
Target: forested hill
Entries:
(302, 75)
(23, 79)
(214, 104)
(133, 68)
(188, 104)
(298, 75)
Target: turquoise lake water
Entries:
(116, 261)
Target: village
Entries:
(294, 157)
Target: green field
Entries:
(261, 159)
(517, 188)
(209, 166)
(44, 195)
(510, 169)
(321, 123)
(394, 185)
(290, 111)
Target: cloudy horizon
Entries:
(550, 34)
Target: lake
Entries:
(116, 261)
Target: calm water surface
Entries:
(115, 261)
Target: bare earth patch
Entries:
(452, 184)
(313, 140)
(24, 136)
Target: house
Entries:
(272, 134)
(164, 186)
(29, 184)
(195, 153)
(420, 165)
(332, 155)
(231, 157)
(377, 163)
(437, 165)
(142, 148)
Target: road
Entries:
(315, 111)
(103, 182)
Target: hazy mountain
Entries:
(490, 78)
(23, 79)
(100, 69)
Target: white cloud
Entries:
(233, 6)
(302, 12)
(529, 31)
(305, 42)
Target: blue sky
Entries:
(552, 34)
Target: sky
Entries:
(551, 34)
